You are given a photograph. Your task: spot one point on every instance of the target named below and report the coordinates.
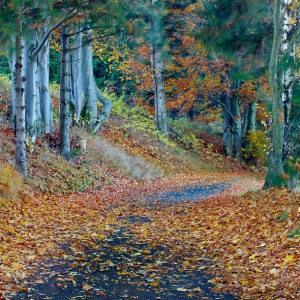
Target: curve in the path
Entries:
(187, 194)
(100, 276)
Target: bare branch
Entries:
(48, 33)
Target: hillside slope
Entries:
(127, 147)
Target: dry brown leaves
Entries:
(252, 239)
(249, 238)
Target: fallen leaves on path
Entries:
(250, 244)
(251, 239)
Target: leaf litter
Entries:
(61, 244)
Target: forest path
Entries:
(124, 262)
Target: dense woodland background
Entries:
(228, 68)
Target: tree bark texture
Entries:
(250, 126)
(32, 97)
(227, 126)
(20, 103)
(43, 83)
(288, 80)
(275, 169)
(106, 109)
(237, 129)
(157, 67)
(65, 93)
(281, 80)
(89, 91)
(84, 84)
(76, 76)
(232, 126)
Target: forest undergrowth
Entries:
(246, 238)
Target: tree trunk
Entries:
(251, 123)
(288, 77)
(30, 91)
(77, 61)
(275, 169)
(106, 109)
(281, 80)
(43, 79)
(227, 126)
(20, 104)
(89, 91)
(251, 126)
(157, 67)
(65, 93)
(237, 129)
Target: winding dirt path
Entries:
(117, 264)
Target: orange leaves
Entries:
(243, 242)
(250, 248)
(246, 92)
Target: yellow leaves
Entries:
(288, 258)
(124, 273)
(102, 236)
(16, 266)
(86, 287)
(243, 251)
(9, 230)
(154, 283)
(146, 252)
(236, 240)
(244, 282)
(42, 250)
(252, 257)
(257, 270)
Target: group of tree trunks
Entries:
(79, 94)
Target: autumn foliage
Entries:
(10, 184)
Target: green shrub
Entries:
(138, 119)
(258, 146)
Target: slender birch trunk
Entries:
(33, 116)
(65, 93)
(43, 79)
(20, 103)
